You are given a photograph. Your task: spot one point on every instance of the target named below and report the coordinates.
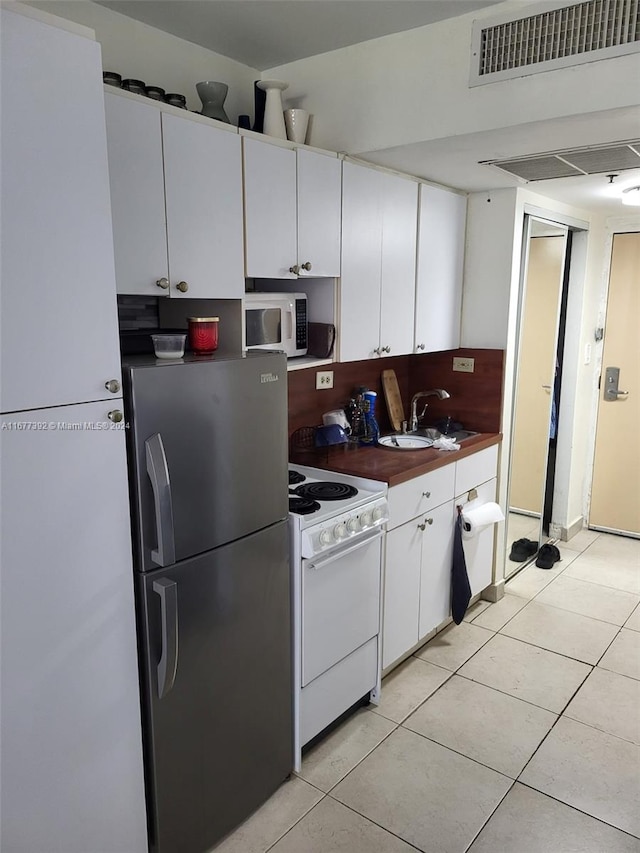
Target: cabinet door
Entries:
(269, 210)
(401, 591)
(319, 213)
(203, 188)
(361, 259)
(478, 552)
(134, 144)
(399, 234)
(439, 271)
(435, 570)
(59, 326)
(71, 739)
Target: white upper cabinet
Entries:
(59, 327)
(292, 212)
(441, 236)
(379, 223)
(176, 191)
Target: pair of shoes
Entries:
(547, 556)
(522, 549)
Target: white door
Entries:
(58, 320)
(71, 738)
(203, 189)
(134, 144)
(401, 591)
(269, 210)
(398, 265)
(435, 573)
(439, 269)
(615, 492)
(319, 214)
(361, 263)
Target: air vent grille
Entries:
(575, 161)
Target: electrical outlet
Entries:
(324, 379)
(464, 365)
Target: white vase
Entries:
(273, 114)
(296, 122)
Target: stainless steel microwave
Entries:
(276, 321)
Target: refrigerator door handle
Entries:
(168, 664)
(158, 471)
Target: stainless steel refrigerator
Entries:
(208, 467)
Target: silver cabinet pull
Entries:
(182, 286)
(295, 269)
(426, 494)
(420, 346)
(306, 266)
(386, 349)
(168, 663)
(112, 386)
(423, 526)
(158, 472)
(163, 283)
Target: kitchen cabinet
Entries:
(377, 288)
(72, 767)
(176, 198)
(419, 549)
(292, 208)
(438, 300)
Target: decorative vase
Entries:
(296, 122)
(212, 95)
(273, 114)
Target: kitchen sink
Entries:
(458, 435)
(408, 441)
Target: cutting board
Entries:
(393, 398)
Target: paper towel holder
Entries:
(472, 494)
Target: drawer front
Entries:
(419, 495)
(476, 469)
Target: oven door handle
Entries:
(342, 552)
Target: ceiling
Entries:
(266, 33)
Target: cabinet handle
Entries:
(112, 385)
(307, 266)
(378, 350)
(115, 416)
(423, 526)
(421, 346)
(163, 283)
(295, 269)
(386, 349)
(426, 494)
(182, 286)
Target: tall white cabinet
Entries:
(71, 759)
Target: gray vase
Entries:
(212, 95)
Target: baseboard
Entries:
(567, 533)
(494, 592)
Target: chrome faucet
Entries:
(440, 393)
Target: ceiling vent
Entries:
(576, 161)
(554, 38)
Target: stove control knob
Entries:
(365, 518)
(353, 525)
(377, 513)
(326, 537)
(340, 531)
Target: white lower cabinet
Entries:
(419, 549)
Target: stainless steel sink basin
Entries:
(410, 441)
(457, 435)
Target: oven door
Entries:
(340, 603)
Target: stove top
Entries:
(330, 494)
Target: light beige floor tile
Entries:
(481, 723)
(560, 631)
(633, 622)
(339, 752)
(567, 556)
(291, 801)
(501, 612)
(427, 794)
(582, 539)
(589, 599)
(333, 828)
(610, 546)
(623, 655)
(527, 672)
(590, 770)
(530, 581)
(407, 687)
(609, 702)
(527, 821)
(453, 646)
(476, 609)
(614, 572)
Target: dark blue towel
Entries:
(460, 587)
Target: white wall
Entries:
(136, 50)
(413, 86)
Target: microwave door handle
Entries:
(289, 324)
(158, 471)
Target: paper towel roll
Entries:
(475, 519)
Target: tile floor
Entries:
(517, 731)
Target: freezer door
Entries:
(217, 696)
(209, 446)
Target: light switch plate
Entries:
(324, 379)
(464, 365)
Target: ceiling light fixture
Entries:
(631, 196)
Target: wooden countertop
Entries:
(388, 465)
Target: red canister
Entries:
(203, 334)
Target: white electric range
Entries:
(336, 525)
